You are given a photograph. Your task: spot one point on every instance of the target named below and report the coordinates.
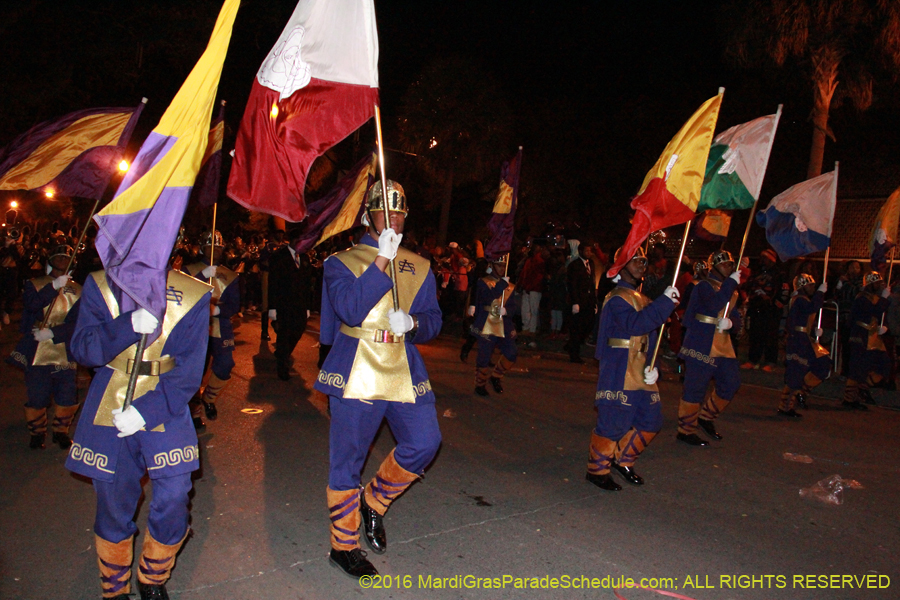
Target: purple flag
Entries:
(503, 219)
(206, 188)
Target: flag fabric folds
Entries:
(341, 208)
(317, 85)
(712, 225)
(503, 217)
(799, 220)
(137, 230)
(671, 190)
(206, 187)
(75, 155)
(884, 233)
(737, 164)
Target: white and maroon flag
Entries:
(317, 86)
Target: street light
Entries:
(123, 166)
(49, 193)
(14, 204)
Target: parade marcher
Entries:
(869, 361)
(494, 303)
(11, 255)
(846, 289)
(708, 352)
(224, 304)
(154, 436)
(582, 301)
(41, 353)
(768, 293)
(375, 372)
(629, 413)
(276, 240)
(807, 361)
(290, 299)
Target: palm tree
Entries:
(843, 45)
(454, 119)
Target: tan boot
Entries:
(343, 508)
(62, 419)
(114, 560)
(214, 387)
(36, 419)
(389, 482)
(627, 450)
(157, 560)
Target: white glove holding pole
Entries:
(672, 294)
(819, 332)
(471, 311)
(882, 330)
(823, 288)
(724, 324)
(575, 309)
(143, 321)
(128, 422)
(41, 335)
(736, 276)
(60, 281)
(388, 243)
(400, 322)
(650, 375)
(209, 272)
(502, 310)
(885, 293)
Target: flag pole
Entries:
(828, 249)
(392, 270)
(135, 371)
(212, 241)
(687, 230)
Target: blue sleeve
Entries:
(98, 338)
(425, 307)
(34, 300)
(354, 297)
(818, 300)
(712, 301)
(187, 345)
(640, 322)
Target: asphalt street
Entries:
(504, 504)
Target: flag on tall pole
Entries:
(884, 233)
(138, 228)
(206, 187)
(317, 85)
(799, 220)
(712, 225)
(503, 216)
(74, 155)
(671, 190)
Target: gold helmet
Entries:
(803, 279)
(639, 254)
(873, 277)
(206, 239)
(719, 257)
(701, 268)
(396, 197)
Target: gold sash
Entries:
(48, 352)
(224, 277)
(182, 293)
(637, 345)
(380, 371)
(493, 325)
(721, 344)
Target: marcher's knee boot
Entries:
(114, 560)
(62, 419)
(603, 452)
(36, 419)
(627, 450)
(389, 482)
(155, 566)
(211, 393)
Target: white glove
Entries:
(824, 287)
(400, 321)
(736, 276)
(882, 330)
(672, 294)
(724, 324)
(41, 335)
(273, 315)
(128, 422)
(885, 293)
(471, 311)
(575, 309)
(388, 243)
(840, 284)
(502, 310)
(650, 375)
(215, 310)
(60, 281)
(818, 333)
(209, 272)
(506, 279)
(143, 321)
(307, 313)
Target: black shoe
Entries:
(498, 387)
(604, 482)
(352, 562)
(801, 399)
(691, 439)
(789, 413)
(576, 359)
(628, 473)
(373, 527)
(153, 592)
(866, 396)
(481, 390)
(199, 425)
(710, 428)
(36, 442)
(463, 355)
(63, 439)
(855, 405)
(212, 413)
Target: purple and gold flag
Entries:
(138, 228)
(75, 155)
(206, 188)
(503, 217)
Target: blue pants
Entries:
(222, 357)
(795, 371)
(697, 375)
(486, 345)
(643, 411)
(863, 362)
(354, 425)
(45, 385)
(117, 501)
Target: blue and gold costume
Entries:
(807, 361)
(708, 353)
(629, 414)
(869, 361)
(166, 449)
(372, 374)
(49, 372)
(494, 303)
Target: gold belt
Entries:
(707, 319)
(865, 326)
(624, 343)
(802, 329)
(153, 368)
(385, 336)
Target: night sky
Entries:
(596, 88)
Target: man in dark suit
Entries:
(582, 301)
(290, 296)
